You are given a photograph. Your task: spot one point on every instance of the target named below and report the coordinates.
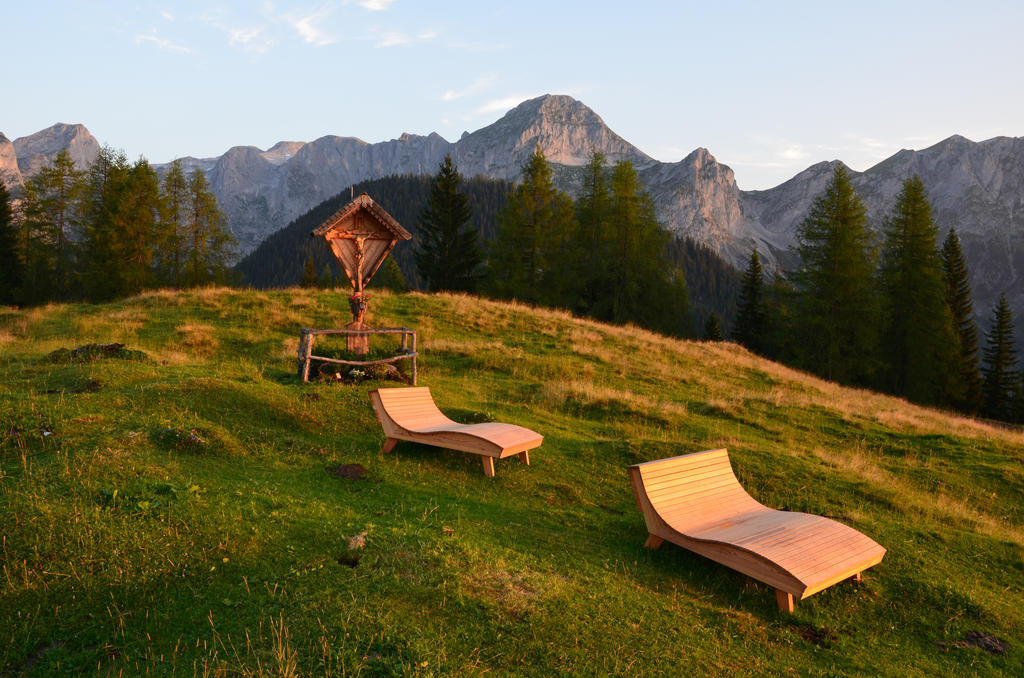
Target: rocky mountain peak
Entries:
(38, 150)
(565, 129)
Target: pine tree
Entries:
(208, 242)
(138, 227)
(100, 256)
(390, 277)
(448, 256)
(536, 225)
(11, 263)
(749, 327)
(712, 329)
(309, 278)
(591, 245)
(918, 343)
(836, 312)
(51, 208)
(174, 202)
(966, 391)
(999, 364)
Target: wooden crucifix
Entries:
(361, 235)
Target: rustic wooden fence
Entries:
(308, 338)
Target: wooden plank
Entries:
(338, 361)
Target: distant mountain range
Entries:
(976, 187)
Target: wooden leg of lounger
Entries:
(785, 600)
(653, 542)
(488, 465)
(524, 457)
(389, 444)
(856, 577)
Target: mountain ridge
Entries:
(975, 187)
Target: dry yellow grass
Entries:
(198, 339)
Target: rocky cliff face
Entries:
(10, 175)
(977, 188)
(39, 150)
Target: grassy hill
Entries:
(181, 512)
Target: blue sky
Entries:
(768, 88)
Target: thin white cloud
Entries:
(381, 38)
(162, 43)
(391, 39)
(308, 29)
(794, 153)
(376, 5)
(478, 85)
(251, 39)
(167, 15)
(503, 104)
(477, 46)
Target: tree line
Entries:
(602, 255)
(893, 313)
(110, 231)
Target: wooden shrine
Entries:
(361, 235)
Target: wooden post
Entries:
(310, 338)
(389, 445)
(653, 542)
(301, 353)
(414, 358)
(785, 600)
(488, 465)
(524, 457)
(856, 577)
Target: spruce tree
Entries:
(11, 263)
(536, 224)
(749, 327)
(918, 343)
(138, 227)
(448, 255)
(966, 393)
(389, 276)
(591, 247)
(999, 364)
(51, 209)
(174, 202)
(208, 242)
(638, 283)
(100, 256)
(712, 329)
(836, 311)
(309, 278)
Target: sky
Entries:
(767, 88)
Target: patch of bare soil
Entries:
(348, 471)
(820, 636)
(984, 641)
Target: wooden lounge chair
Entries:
(410, 414)
(696, 501)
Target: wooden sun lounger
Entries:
(696, 501)
(410, 414)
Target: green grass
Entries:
(175, 516)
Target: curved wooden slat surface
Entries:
(411, 414)
(697, 502)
